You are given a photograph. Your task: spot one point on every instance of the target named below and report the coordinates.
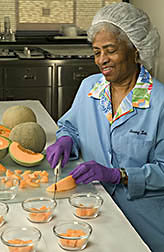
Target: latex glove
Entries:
(91, 170)
(62, 147)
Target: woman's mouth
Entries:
(106, 70)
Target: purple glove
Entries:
(62, 147)
(91, 170)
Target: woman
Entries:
(116, 120)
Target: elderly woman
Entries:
(116, 120)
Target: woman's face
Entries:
(113, 57)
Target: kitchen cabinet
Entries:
(29, 81)
(54, 82)
(1, 84)
(68, 77)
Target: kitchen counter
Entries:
(111, 230)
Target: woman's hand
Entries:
(91, 170)
(62, 147)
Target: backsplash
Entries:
(49, 14)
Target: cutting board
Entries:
(41, 191)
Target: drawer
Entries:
(28, 76)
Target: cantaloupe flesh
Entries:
(73, 243)
(27, 178)
(39, 215)
(20, 249)
(83, 211)
(4, 131)
(64, 184)
(23, 155)
(2, 169)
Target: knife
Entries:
(57, 173)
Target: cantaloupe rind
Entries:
(4, 145)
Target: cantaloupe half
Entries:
(24, 156)
(4, 144)
(64, 184)
(4, 131)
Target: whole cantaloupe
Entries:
(15, 115)
(30, 135)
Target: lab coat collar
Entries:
(138, 97)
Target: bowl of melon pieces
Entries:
(72, 235)
(86, 205)
(39, 210)
(21, 239)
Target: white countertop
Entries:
(111, 230)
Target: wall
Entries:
(45, 14)
(7, 8)
(155, 11)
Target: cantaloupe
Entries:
(4, 145)
(24, 156)
(64, 184)
(14, 115)
(4, 131)
(30, 135)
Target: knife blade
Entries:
(57, 173)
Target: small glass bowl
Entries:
(8, 188)
(39, 210)
(4, 208)
(72, 235)
(21, 238)
(86, 205)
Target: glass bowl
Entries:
(86, 205)
(39, 210)
(21, 239)
(8, 187)
(72, 235)
(3, 212)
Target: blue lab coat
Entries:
(135, 142)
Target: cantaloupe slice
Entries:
(4, 145)
(64, 184)
(4, 131)
(24, 156)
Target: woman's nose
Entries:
(103, 58)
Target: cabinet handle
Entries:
(29, 77)
(59, 76)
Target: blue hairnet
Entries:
(137, 26)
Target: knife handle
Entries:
(57, 169)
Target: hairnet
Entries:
(137, 26)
